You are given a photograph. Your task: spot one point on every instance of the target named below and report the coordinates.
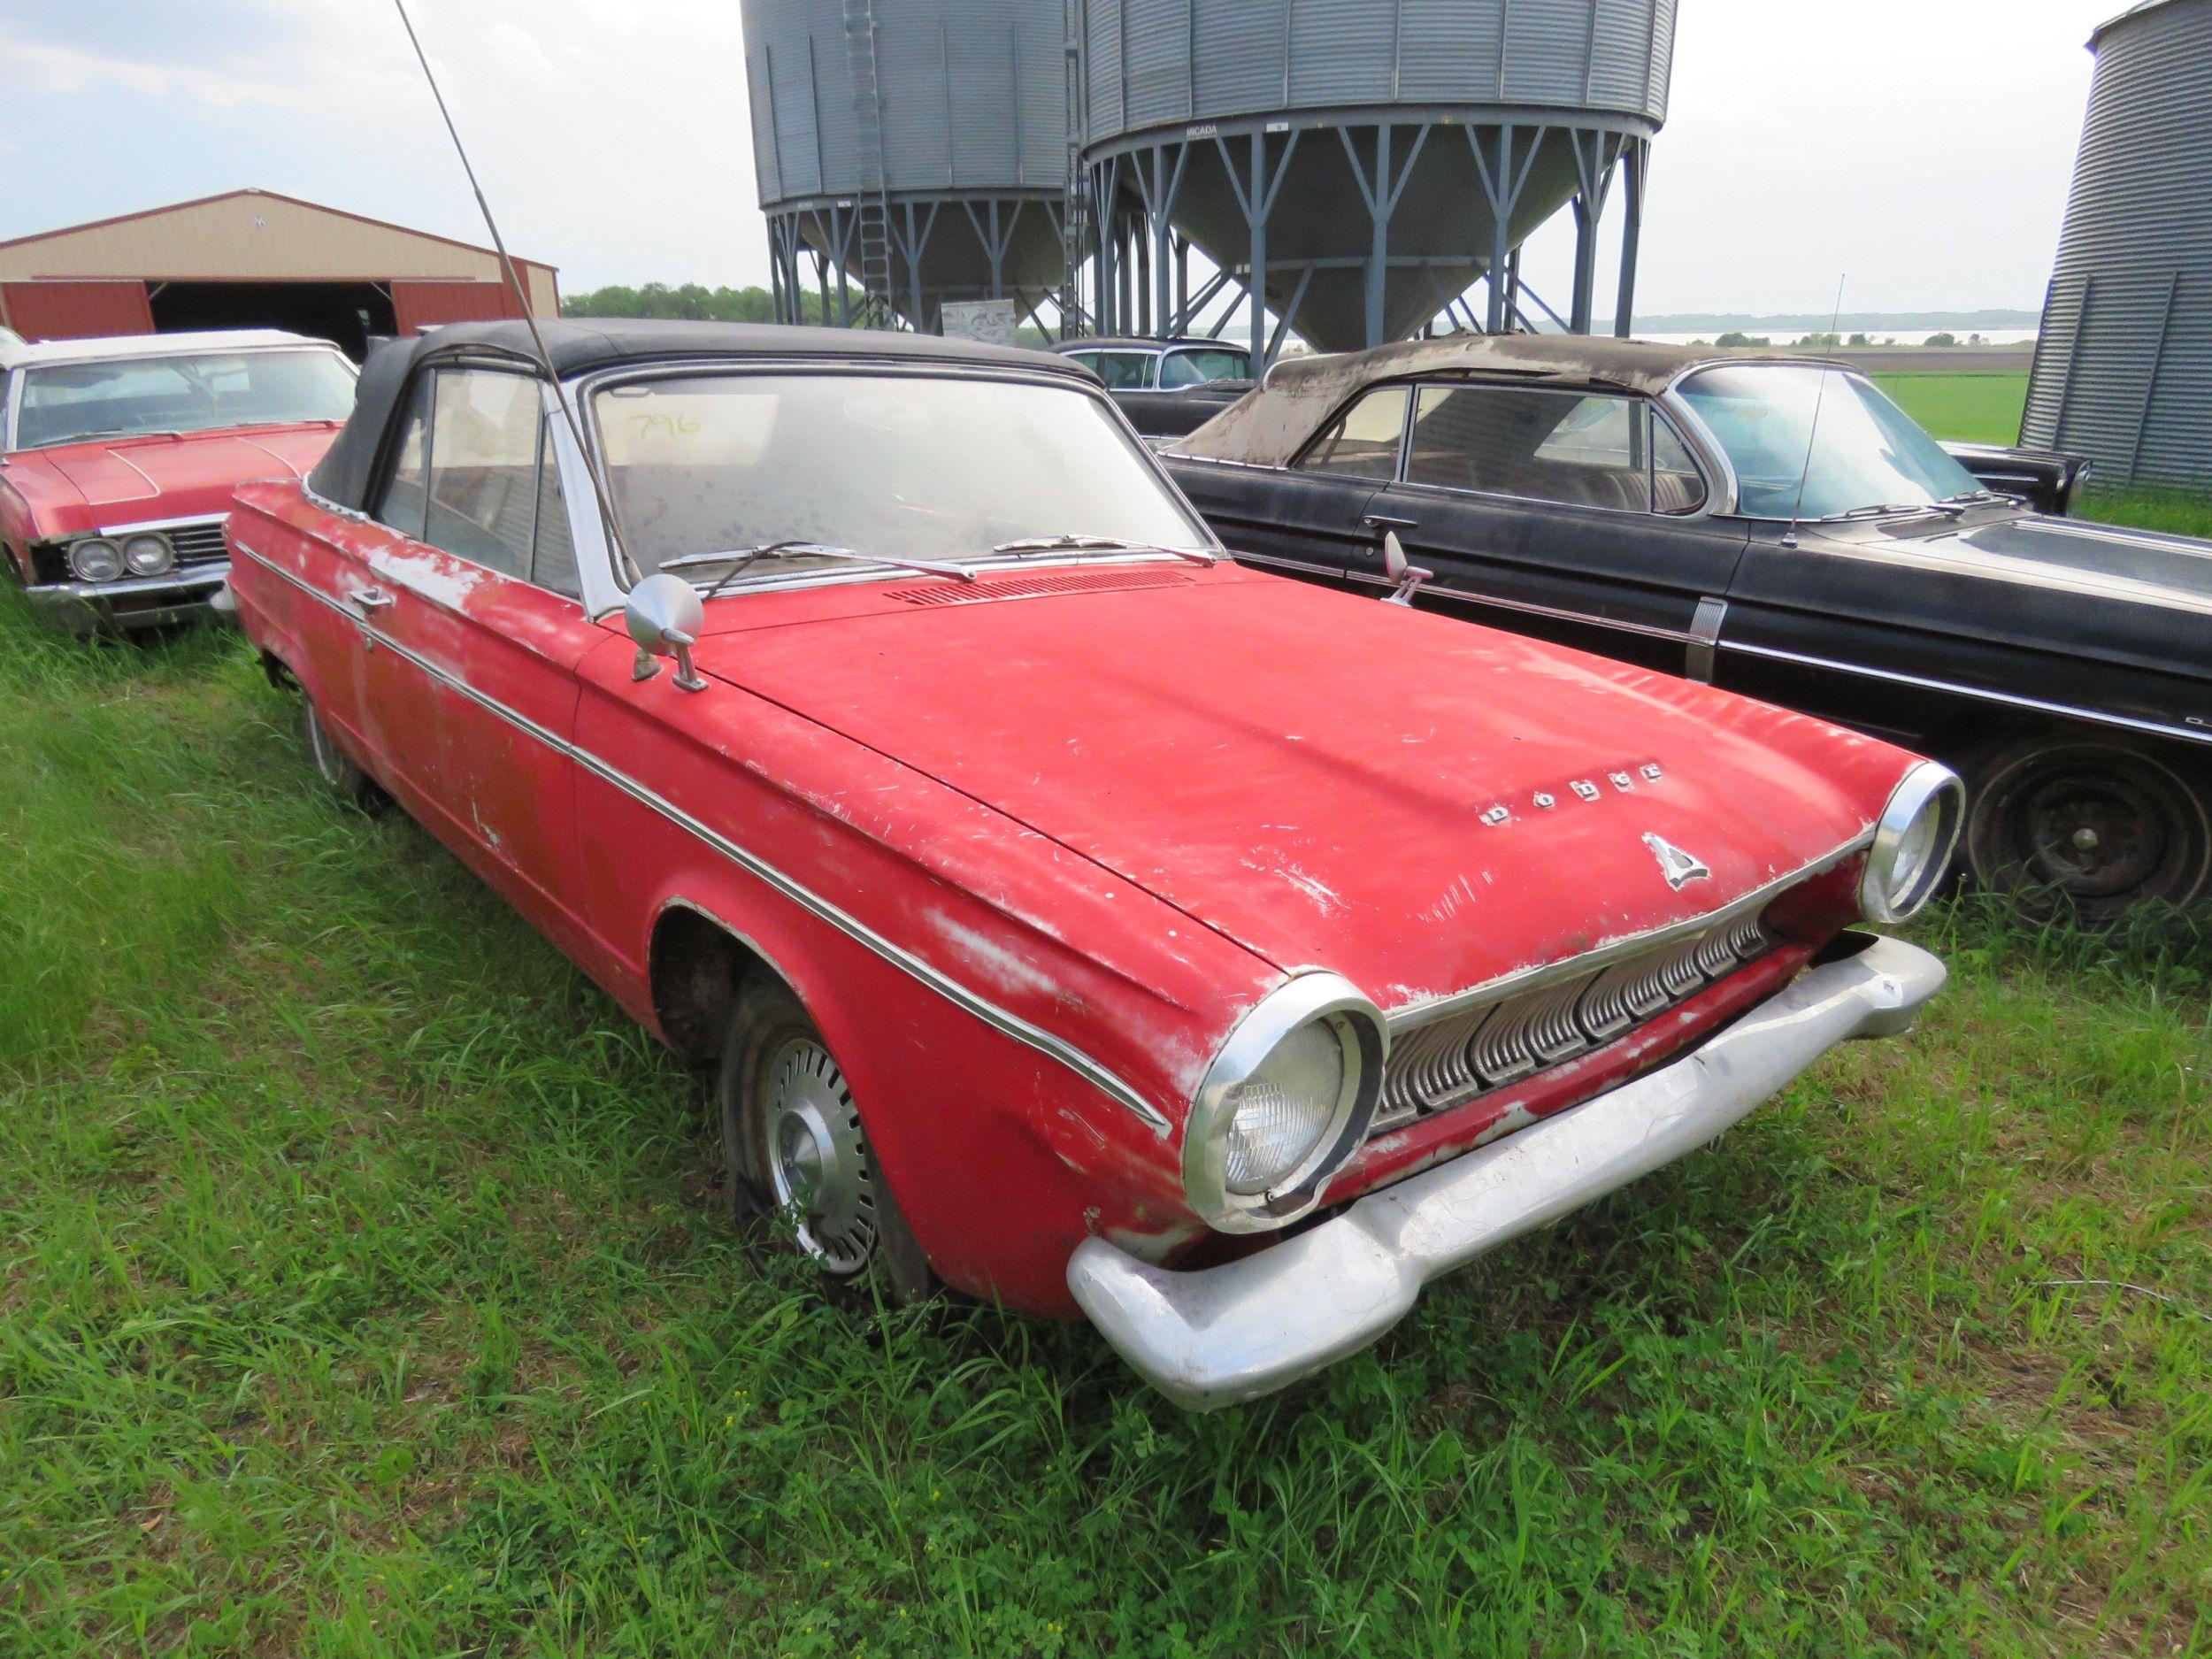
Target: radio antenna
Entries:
(1797, 509)
(522, 299)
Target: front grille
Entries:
(198, 543)
(1453, 1059)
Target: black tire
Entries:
(345, 782)
(794, 1147)
(2093, 825)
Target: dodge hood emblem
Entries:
(1679, 868)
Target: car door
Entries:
(1577, 516)
(476, 629)
(1311, 519)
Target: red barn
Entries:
(253, 259)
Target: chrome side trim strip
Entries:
(1012, 1025)
(2093, 716)
(1443, 591)
(1415, 1015)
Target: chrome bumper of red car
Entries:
(131, 602)
(1221, 1335)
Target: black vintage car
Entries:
(1167, 387)
(1778, 526)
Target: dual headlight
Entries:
(1285, 1102)
(100, 558)
(1913, 843)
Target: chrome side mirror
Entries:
(665, 617)
(1406, 577)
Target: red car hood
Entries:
(1309, 773)
(130, 480)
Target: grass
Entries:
(366, 1294)
(1962, 408)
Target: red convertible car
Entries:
(118, 458)
(1074, 916)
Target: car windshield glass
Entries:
(121, 395)
(914, 466)
(1865, 452)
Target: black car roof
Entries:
(1144, 343)
(344, 475)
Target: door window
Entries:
(1364, 441)
(1200, 367)
(1122, 371)
(475, 477)
(1576, 448)
(406, 492)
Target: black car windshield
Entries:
(65, 402)
(902, 465)
(1864, 452)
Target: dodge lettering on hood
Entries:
(1073, 917)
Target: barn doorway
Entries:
(347, 313)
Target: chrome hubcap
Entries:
(817, 1159)
(321, 749)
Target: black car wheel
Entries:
(795, 1147)
(2098, 825)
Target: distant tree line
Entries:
(693, 301)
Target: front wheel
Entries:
(795, 1144)
(344, 781)
(2096, 826)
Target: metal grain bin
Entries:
(2124, 367)
(918, 146)
(1368, 159)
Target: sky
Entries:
(1919, 150)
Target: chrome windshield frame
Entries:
(1685, 412)
(584, 390)
(18, 380)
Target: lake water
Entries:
(1908, 337)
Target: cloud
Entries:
(36, 67)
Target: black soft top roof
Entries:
(346, 472)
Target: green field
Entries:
(1963, 408)
(366, 1293)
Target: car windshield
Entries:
(1865, 453)
(120, 397)
(911, 466)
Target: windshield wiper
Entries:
(747, 557)
(1069, 543)
(112, 432)
(1889, 509)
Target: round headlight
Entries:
(1278, 1115)
(1913, 844)
(149, 555)
(96, 559)
(1285, 1102)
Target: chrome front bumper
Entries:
(1226, 1334)
(131, 601)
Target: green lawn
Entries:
(1963, 408)
(366, 1294)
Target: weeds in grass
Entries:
(365, 1295)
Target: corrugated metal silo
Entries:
(2124, 367)
(918, 146)
(1368, 159)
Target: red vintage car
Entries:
(1074, 917)
(118, 458)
